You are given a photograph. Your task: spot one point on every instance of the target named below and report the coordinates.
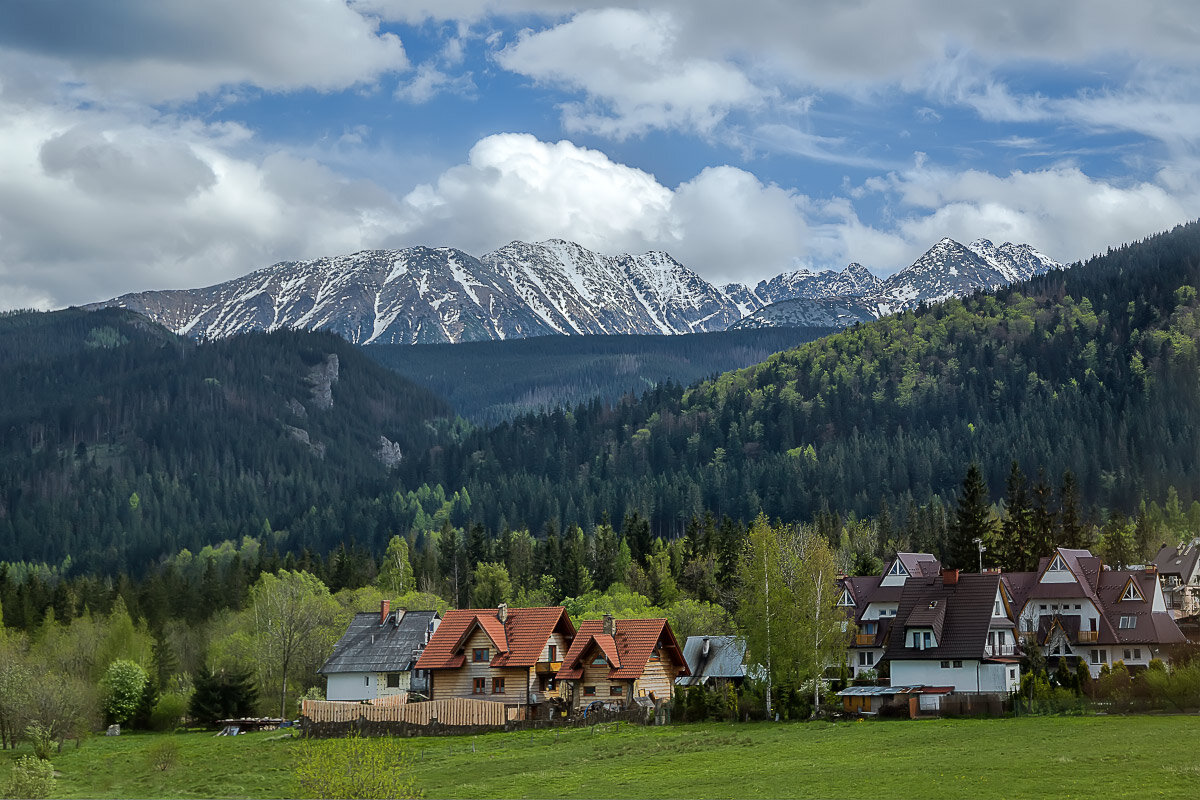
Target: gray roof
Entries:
(368, 646)
(724, 659)
(1181, 560)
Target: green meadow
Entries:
(1061, 757)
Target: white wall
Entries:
(351, 686)
(930, 673)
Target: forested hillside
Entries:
(1092, 370)
(120, 442)
(491, 382)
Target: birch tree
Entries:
(295, 624)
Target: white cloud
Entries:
(430, 81)
(634, 72)
(149, 50)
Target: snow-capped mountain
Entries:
(422, 294)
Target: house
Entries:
(1179, 573)
(507, 655)
(1074, 607)
(714, 661)
(954, 630)
(871, 602)
(376, 655)
(619, 662)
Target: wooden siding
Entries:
(597, 675)
(658, 678)
(460, 682)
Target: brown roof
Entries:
(519, 640)
(633, 641)
(964, 609)
(1182, 560)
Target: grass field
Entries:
(1061, 757)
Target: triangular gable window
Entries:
(1132, 592)
(897, 568)
(1058, 565)
(846, 600)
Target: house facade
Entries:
(376, 657)
(1076, 608)
(1179, 573)
(507, 655)
(620, 662)
(871, 603)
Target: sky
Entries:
(151, 144)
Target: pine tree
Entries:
(1010, 547)
(972, 522)
(1074, 533)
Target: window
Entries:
(1012, 673)
(589, 691)
(1128, 621)
(897, 569)
(366, 680)
(1041, 607)
(1134, 654)
(1099, 656)
(1132, 592)
(656, 655)
(616, 691)
(1137, 653)
(1057, 565)
(479, 686)
(926, 639)
(1077, 606)
(600, 661)
(957, 664)
(393, 680)
(866, 658)
(998, 609)
(868, 627)
(945, 665)
(480, 654)
(846, 600)
(554, 652)
(497, 685)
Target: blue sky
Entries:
(168, 143)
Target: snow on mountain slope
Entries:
(422, 294)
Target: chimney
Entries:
(949, 577)
(1152, 569)
(502, 612)
(609, 624)
(385, 606)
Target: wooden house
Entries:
(506, 655)
(618, 662)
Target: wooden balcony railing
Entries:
(1089, 636)
(864, 639)
(548, 666)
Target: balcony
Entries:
(993, 650)
(544, 667)
(1089, 637)
(864, 639)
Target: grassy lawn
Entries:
(1057, 757)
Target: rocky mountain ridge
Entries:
(425, 295)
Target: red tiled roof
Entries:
(519, 640)
(634, 641)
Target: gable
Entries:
(1131, 592)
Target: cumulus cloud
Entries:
(156, 50)
(633, 71)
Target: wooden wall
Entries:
(460, 682)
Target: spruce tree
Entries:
(972, 523)
(1010, 547)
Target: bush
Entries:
(163, 754)
(41, 739)
(30, 777)
(123, 685)
(355, 768)
(169, 711)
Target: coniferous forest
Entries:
(124, 448)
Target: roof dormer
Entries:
(1132, 592)
(846, 599)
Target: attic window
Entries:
(897, 568)
(600, 661)
(1128, 622)
(846, 600)
(1057, 565)
(1132, 592)
(933, 603)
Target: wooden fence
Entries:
(454, 711)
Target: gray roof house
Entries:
(714, 659)
(375, 656)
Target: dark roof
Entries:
(725, 658)
(920, 565)
(1150, 626)
(635, 641)
(1182, 560)
(368, 646)
(519, 640)
(965, 611)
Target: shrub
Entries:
(163, 754)
(356, 767)
(169, 711)
(41, 739)
(30, 777)
(123, 685)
